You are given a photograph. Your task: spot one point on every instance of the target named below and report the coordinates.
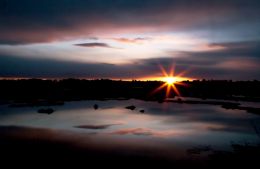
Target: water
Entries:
(181, 127)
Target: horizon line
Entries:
(116, 79)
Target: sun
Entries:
(171, 82)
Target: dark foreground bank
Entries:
(40, 148)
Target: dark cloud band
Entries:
(31, 21)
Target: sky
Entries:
(130, 39)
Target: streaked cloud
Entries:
(147, 132)
(95, 127)
(93, 45)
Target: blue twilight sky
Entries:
(129, 39)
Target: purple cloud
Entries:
(93, 45)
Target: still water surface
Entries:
(184, 126)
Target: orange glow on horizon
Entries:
(171, 80)
(164, 79)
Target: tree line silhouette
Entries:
(77, 89)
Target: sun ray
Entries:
(164, 72)
(183, 73)
(176, 90)
(168, 90)
(181, 84)
(159, 88)
(171, 74)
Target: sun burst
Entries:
(171, 81)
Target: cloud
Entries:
(146, 132)
(231, 49)
(29, 21)
(227, 50)
(231, 128)
(134, 131)
(11, 66)
(134, 40)
(44, 68)
(95, 127)
(93, 45)
(236, 61)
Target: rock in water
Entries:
(141, 111)
(46, 111)
(130, 107)
(95, 106)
